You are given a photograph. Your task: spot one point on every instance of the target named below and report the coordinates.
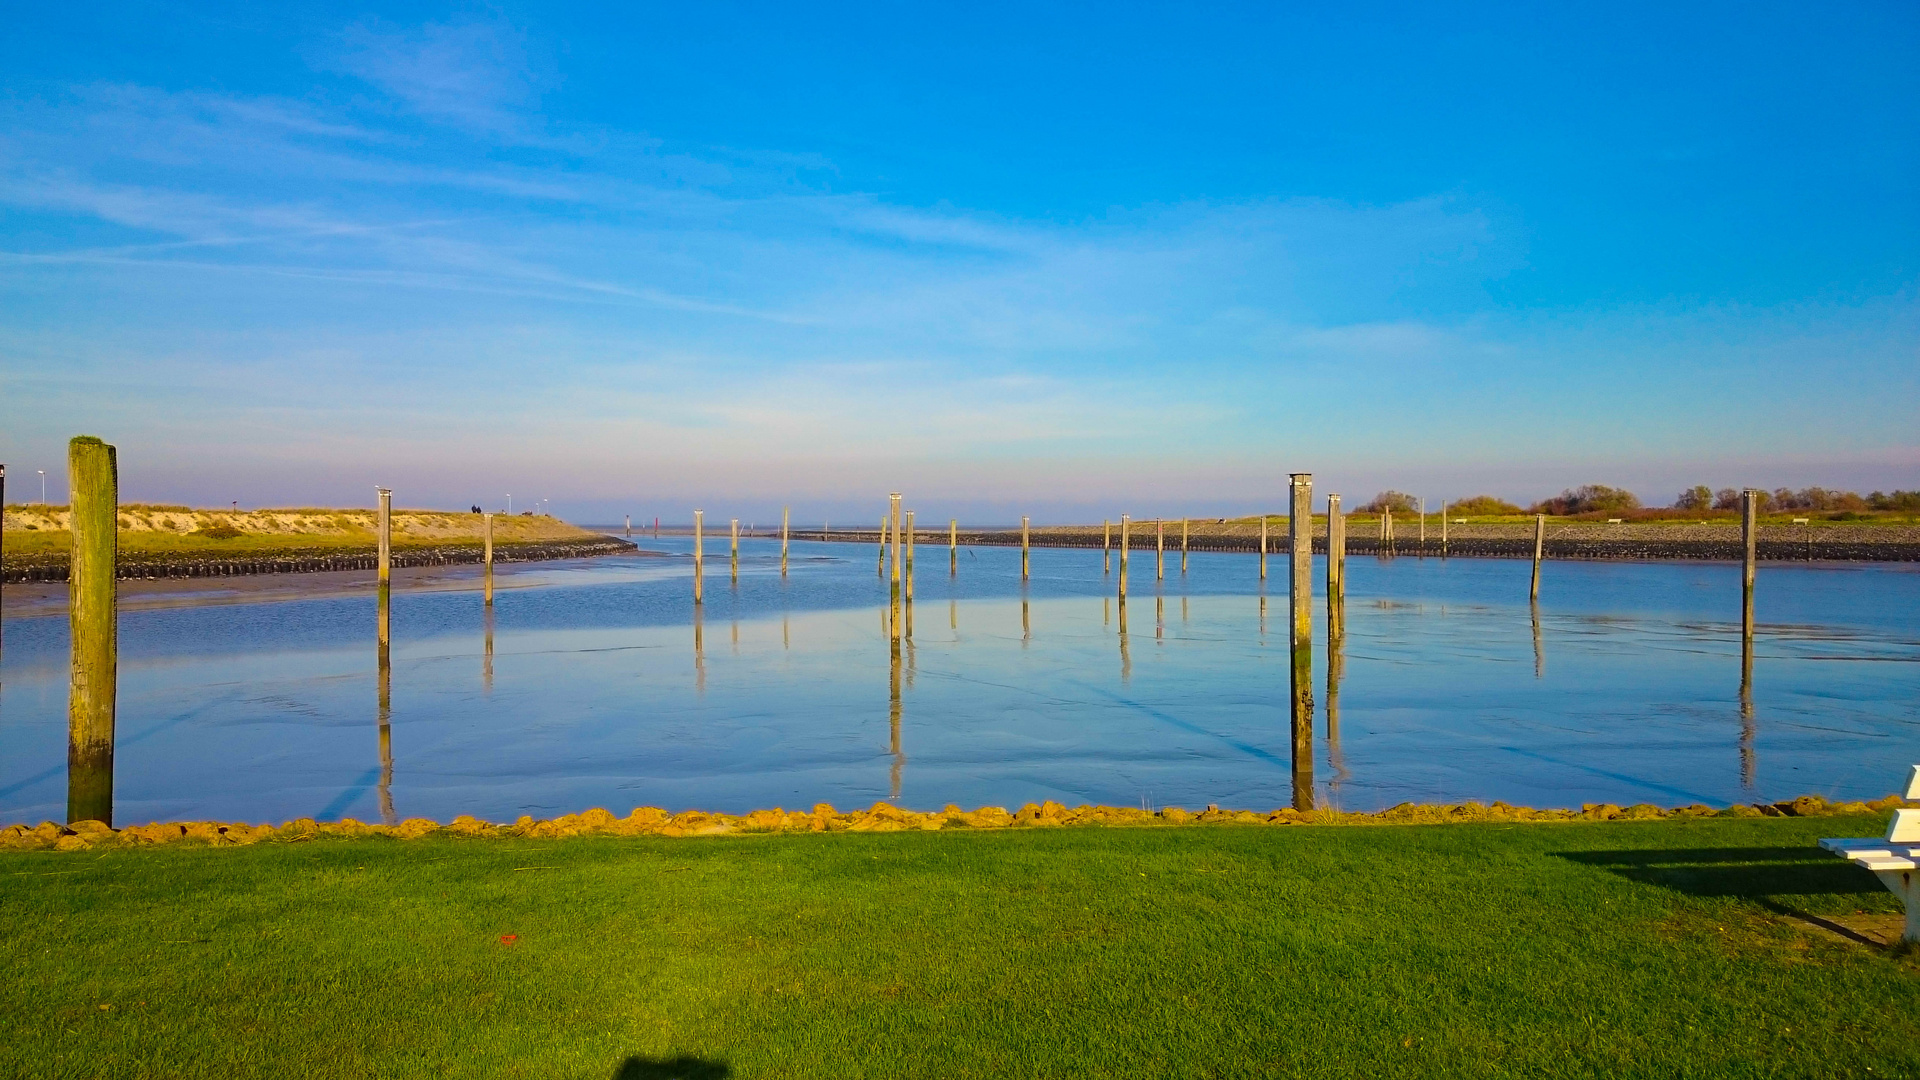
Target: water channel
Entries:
(596, 683)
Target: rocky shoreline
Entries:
(881, 817)
(135, 566)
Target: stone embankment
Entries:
(881, 817)
(1822, 541)
(151, 566)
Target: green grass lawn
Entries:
(1665, 948)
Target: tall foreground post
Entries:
(94, 478)
(486, 535)
(783, 540)
(1125, 523)
(1300, 634)
(1539, 548)
(1336, 552)
(699, 557)
(386, 534)
(1750, 544)
(1023, 547)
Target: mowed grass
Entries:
(1615, 949)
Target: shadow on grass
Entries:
(679, 1068)
(1760, 875)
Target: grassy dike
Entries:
(1623, 948)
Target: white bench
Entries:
(1894, 858)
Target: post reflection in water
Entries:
(1183, 608)
(1747, 765)
(1263, 618)
(699, 651)
(1026, 617)
(953, 614)
(486, 656)
(1126, 658)
(786, 636)
(1336, 661)
(384, 638)
(893, 718)
(735, 625)
(1539, 653)
(1159, 618)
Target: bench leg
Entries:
(1905, 884)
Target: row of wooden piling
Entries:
(92, 602)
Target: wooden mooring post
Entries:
(1750, 545)
(699, 561)
(1443, 528)
(1125, 523)
(893, 525)
(883, 547)
(909, 574)
(1106, 546)
(733, 556)
(1023, 547)
(1183, 546)
(629, 525)
(386, 534)
(1539, 549)
(1300, 634)
(784, 515)
(1423, 525)
(1159, 550)
(486, 540)
(1263, 545)
(953, 547)
(1336, 552)
(93, 478)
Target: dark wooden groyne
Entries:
(135, 566)
(1584, 545)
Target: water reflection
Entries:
(700, 650)
(384, 641)
(486, 660)
(894, 709)
(1126, 658)
(1539, 653)
(1336, 662)
(1747, 727)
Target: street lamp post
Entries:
(43, 487)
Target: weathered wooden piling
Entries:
(909, 574)
(1159, 550)
(733, 555)
(1749, 543)
(699, 563)
(1263, 545)
(1023, 547)
(784, 514)
(93, 478)
(1300, 634)
(383, 649)
(893, 526)
(1539, 549)
(883, 547)
(1125, 523)
(1336, 551)
(1106, 546)
(1423, 525)
(1443, 527)
(953, 547)
(486, 661)
(486, 538)
(629, 525)
(386, 534)
(1183, 546)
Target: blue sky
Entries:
(1071, 261)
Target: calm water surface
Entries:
(594, 684)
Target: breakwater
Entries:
(157, 565)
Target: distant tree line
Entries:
(1601, 499)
